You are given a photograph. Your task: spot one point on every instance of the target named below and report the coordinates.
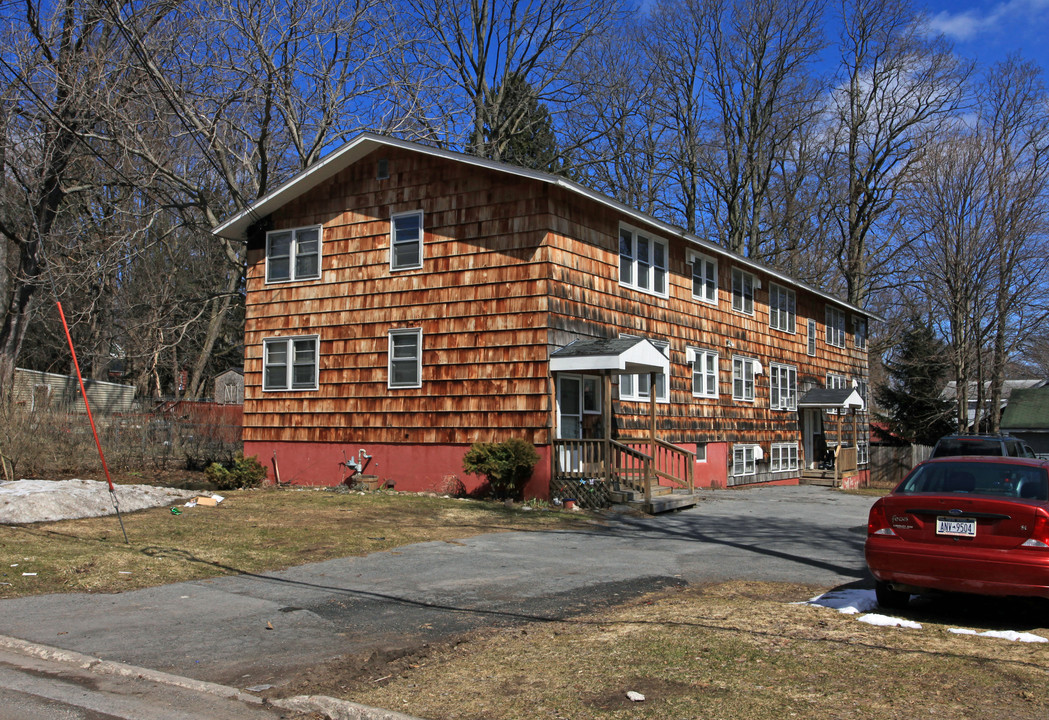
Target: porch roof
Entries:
(620, 356)
(836, 398)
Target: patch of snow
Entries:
(886, 621)
(1003, 634)
(849, 602)
(30, 501)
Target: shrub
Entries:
(242, 473)
(507, 465)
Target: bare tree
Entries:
(897, 90)
(758, 57)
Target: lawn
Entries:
(250, 531)
(733, 651)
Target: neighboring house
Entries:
(408, 301)
(1027, 417)
(229, 388)
(950, 393)
(39, 391)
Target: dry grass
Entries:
(737, 650)
(251, 531)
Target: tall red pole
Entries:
(90, 417)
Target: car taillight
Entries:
(878, 521)
(1040, 534)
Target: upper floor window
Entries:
(406, 241)
(704, 278)
(812, 337)
(642, 262)
(704, 372)
(293, 254)
(835, 327)
(781, 308)
(743, 372)
(859, 332)
(290, 363)
(742, 291)
(783, 381)
(638, 387)
(405, 357)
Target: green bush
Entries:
(242, 473)
(507, 465)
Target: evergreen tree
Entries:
(518, 128)
(911, 399)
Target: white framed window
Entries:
(835, 382)
(743, 372)
(642, 262)
(701, 452)
(784, 457)
(405, 358)
(835, 327)
(744, 460)
(861, 388)
(704, 278)
(859, 332)
(406, 240)
(782, 304)
(783, 383)
(704, 372)
(812, 337)
(742, 291)
(636, 387)
(290, 363)
(863, 453)
(293, 254)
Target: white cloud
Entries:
(968, 24)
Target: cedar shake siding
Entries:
(513, 265)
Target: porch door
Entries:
(569, 407)
(812, 437)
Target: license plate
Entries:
(960, 527)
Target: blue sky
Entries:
(989, 30)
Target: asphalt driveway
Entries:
(248, 629)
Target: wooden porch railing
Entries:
(590, 467)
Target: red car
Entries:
(962, 524)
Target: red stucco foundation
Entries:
(413, 468)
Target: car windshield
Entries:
(981, 478)
(967, 446)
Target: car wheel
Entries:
(889, 598)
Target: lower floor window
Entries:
(784, 456)
(289, 363)
(743, 460)
(863, 453)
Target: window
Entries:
(642, 262)
(701, 452)
(591, 395)
(781, 308)
(861, 388)
(859, 332)
(743, 371)
(406, 241)
(743, 460)
(405, 355)
(704, 278)
(704, 372)
(863, 452)
(293, 254)
(834, 382)
(783, 380)
(812, 337)
(289, 363)
(742, 291)
(784, 457)
(835, 327)
(636, 387)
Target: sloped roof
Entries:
(950, 390)
(627, 356)
(841, 398)
(1028, 409)
(237, 226)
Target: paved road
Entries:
(246, 630)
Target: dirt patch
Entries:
(32, 501)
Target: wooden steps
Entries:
(664, 499)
